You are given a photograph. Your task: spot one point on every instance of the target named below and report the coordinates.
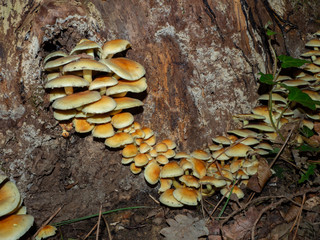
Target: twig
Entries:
(298, 218)
(218, 204)
(47, 222)
(98, 227)
(107, 226)
(283, 146)
(156, 201)
(89, 233)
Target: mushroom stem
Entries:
(103, 91)
(87, 75)
(68, 90)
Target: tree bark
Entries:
(202, 60)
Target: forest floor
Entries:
(284, 209)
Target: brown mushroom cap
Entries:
(126, 68)
(54, 64)
(199, 168)
(9, 198)
(213, 181)
(141, 160)
(238, 150)
(103, 105)
(84, 46)
(161, 159)
(187, 196)
(119, 139)
(85, 64)
(200, 154)
(57, 93)
(76, 100)
(152, 172)
(81, 125)
(127, 102)
(67, 81)
(130, 151)
(170, 144)
(165, 184)
(190, 181)
(134, 169)
(168, 199)
(99, 118)
(220, 155)
(15, 226)
(101, 82)
(45, 232)
(55, 54)
(62, 115)
(222, 140)
(243, 133)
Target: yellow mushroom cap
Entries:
(103, 105)
(9, 198)
(161, 147)
(170, 153)
(161, 159)
(213, 181)
(101, 82)
(220, 155)
(126, 68)
(55, 54)
(45, 232)
(222, 140)
(129, 151)
(85, 64)
(187, 196)
(199, 168)
(190, 181)
(171, 169)
(238, 150)
(67, 81)
(152, 172)
(122, 120)
(134, 169)
(76, 100)
(85, 45)
(114, 46)
(151, 140)
(170, 144)
(236, 190)
(168, 199)
(118, 140)
(243, 133)
(141, 160)
(62, 115)
(54, 64)
(81, 125)
(137, 86)
(104, 130)
(165, 184)
(200, 154)
(15, 226)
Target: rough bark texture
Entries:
(202, 58)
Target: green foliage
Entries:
(307, 132)
(270, 33)
(309, 172)
(296, 95)
(307, 148)
(288, 62)
(278, 171)
(266, 78)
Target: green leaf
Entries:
(270, 33)
(266, 78)
(307, 148)
(296, 95)
(307, 132)
(287, 61)
(275, 150)
(309, 172)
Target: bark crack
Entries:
(212, 16)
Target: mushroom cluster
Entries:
(14, 220)
(88, 90)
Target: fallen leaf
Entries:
(184, 227)
(257, 181)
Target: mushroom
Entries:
(187, 196)
(118, 140)
(45, 232)
(104, 130)
(9, 198)
(102, 83)
(114, 46)
(168, 199)
(152, 172)
(15, 226)
(68, 82)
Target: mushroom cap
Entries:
(168, 199)
(260, 126)
(161, 159)
(311, 53)
(170, 153)
(104, 130)
(199, 168)
(55, 54)
(264, 145)
(134, 169)
(103, 105)
(220, 155)
(311, 68)
(118, 140)
(275, 96)
(85, 64)
(101, 82)
(313, 43)
(250, 141)
(235, 165)
(152, 172)
(127, 102)
(250, 116)
(9, 198)
(114, 46)
(76, 100)
(144, 147)
(54, 64)
(165, 184)
(45, 232)
(187, 196)
(170, 144)
(122, 120)
(185, 164)
(99, 118)
(85, 45)
(296, 83)
(141, 160)
(148, 132)
(181, 155)
(190, 181)
(126, 68)
(130, 151)
(67, 81)
(213, 181)
(81, 125)
(200, 154)
(57, 93)
(236, 190)
(215, 147)
(51, 76)
(161, 147)
(171, 169)
(222, 140)
(238, 150)
(62, 115)
(15, 226)
(128, 86)
(151, 140)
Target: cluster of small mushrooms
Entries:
(88, 89)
